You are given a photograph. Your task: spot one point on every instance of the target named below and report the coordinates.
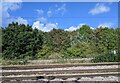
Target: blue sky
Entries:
(65, 15)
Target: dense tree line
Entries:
(23, 42)
(20, 41)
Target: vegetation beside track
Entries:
(22, 42)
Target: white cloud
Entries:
(62, 9)
(15, 6)
(49, 13)
(44, 27)
(92, 28)
(19, 20)
(48, 27)
(9, 6)
(59, 10)
(40, 16)
(40, 11)
(73, 28)
(42, 19)
(99, 8)
(105, 25)
(37, 25)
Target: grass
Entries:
(49, 61)
(14, 62)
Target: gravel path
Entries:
(73, 80)
(61, 74)
(99, 78)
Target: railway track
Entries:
(60, 71)
(42, 66)
(46, 72)
(62, 76)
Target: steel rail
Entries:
(41, 66)
(59, 71)
(62, 76)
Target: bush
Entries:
(106, 58)
(55, 55)
(14, 62)
(79, 50)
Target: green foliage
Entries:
(23, 42)
(59, 40)
(106, 58)
(14, 62)
(44, 52)
(82, 50)
(85, 34)
(55, 56)
(106, 39)
(20, 42)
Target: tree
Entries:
(59, 40)
(81, 49)
(86, 34)
(106, 39)
(20, 41)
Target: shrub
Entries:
(106, 58)
(55, 55)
